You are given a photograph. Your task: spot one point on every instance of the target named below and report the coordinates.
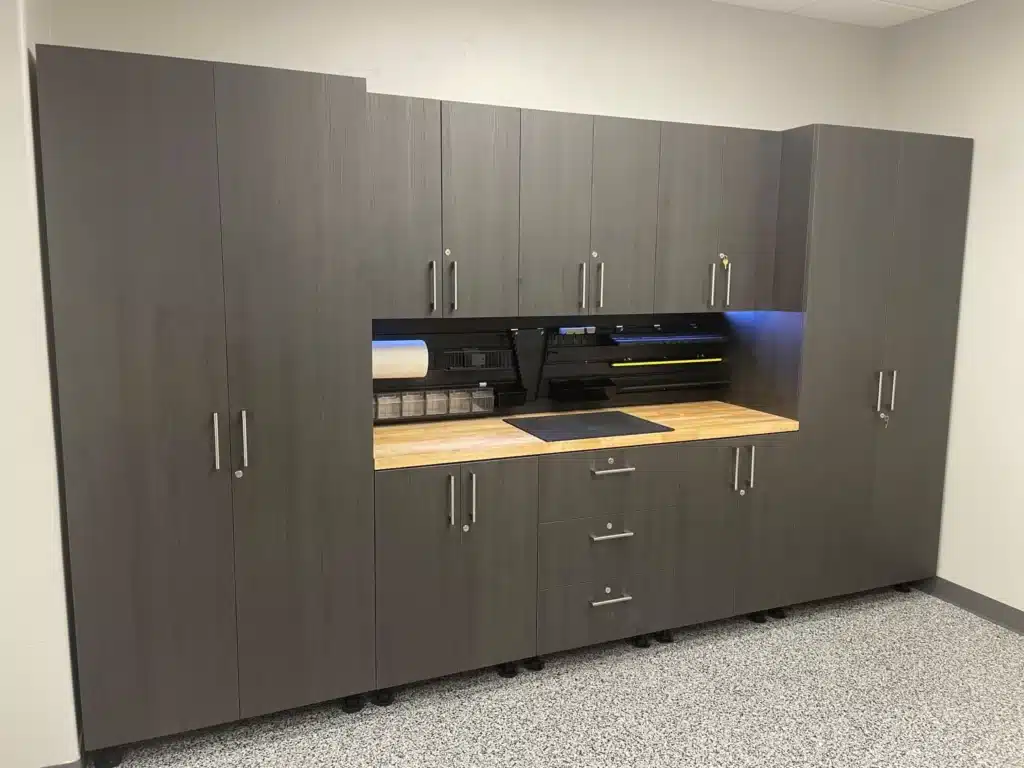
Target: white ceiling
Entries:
(865, 13)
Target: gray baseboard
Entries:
(72, 764)
(975, 602)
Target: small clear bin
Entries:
(459, 401)
(483, 400)
(389, 407)
(412, 404)
(437, 403)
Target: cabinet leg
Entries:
(665, 636)
(904, 588)
(777, 613)
(536, 664)
(757, 618)
(509, 669)
(352, 704)
(385, 697)
(642, 641)
(108, 758)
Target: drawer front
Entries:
(584, 614)
(598, 483)
(593, 549)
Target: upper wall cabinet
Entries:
(624, 215)
(717, 207)
(480, 183)
(554, 220)
(404, 215)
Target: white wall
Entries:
(961, 73)
(669, 59)
(37, 714)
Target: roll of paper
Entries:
(406, 359)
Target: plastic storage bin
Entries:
(389, 407)
(413, 404)
(437, 403)
(460, 401)
(483, 400)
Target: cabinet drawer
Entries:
(596, 483)
(584, 614)
(591, 549)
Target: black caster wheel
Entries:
(757, 618)
(534, 665)
(508, 670)
(663, 637)
(108, 758)
(778, 613)
(642, 641)
(383, 698)
(352, 704)
(904, 588)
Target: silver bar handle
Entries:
(433, 286)
(472, 497)
(616, 471)
(612, 536)
(753, 455)
(583, 285)
(451, 500)
(878, 396)
(728, 284)
(735, 469)
(714, 273)
(613, 601)
(455, 286)
(216, 442)
(892, 394)
(600, 285)
(245, 439)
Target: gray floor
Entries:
(878, 680)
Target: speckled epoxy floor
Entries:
(884, 679)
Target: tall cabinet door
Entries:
(403, 172)
(850, 249)
(920, 342)
(421, 582)
(554, 217)
(687, 273)
(130, 176)
(480, 210)
(752, 161)
(499, 518)
(298, 323)
(624, 215)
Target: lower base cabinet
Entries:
(456, 558)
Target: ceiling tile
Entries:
(784, 6)
(866, 13)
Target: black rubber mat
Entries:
(579, 426)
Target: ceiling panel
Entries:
(866, 13)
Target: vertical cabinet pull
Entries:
(216, 442)
(245, 439)
(714, 273)
(433, 286)
(878, 396)
(472, 498)
(600, 285)
(735, 469)
(583, 285)
(451, 500)
(455, 286)
(753, 455)
(728, 284)
(892, 393)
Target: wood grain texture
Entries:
(624, 215)
(480, 185)
(403, 220)
(130, 179)
(299, 364)
(448, 442)
(554, 229)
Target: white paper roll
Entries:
(407, 359)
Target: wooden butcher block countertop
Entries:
(397, 446)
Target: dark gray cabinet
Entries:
(299, 376)
(480, 210)
(129, 158)
(624, 215)
(456, 568)
(403, 218)
(554, 213)
(923, 292)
